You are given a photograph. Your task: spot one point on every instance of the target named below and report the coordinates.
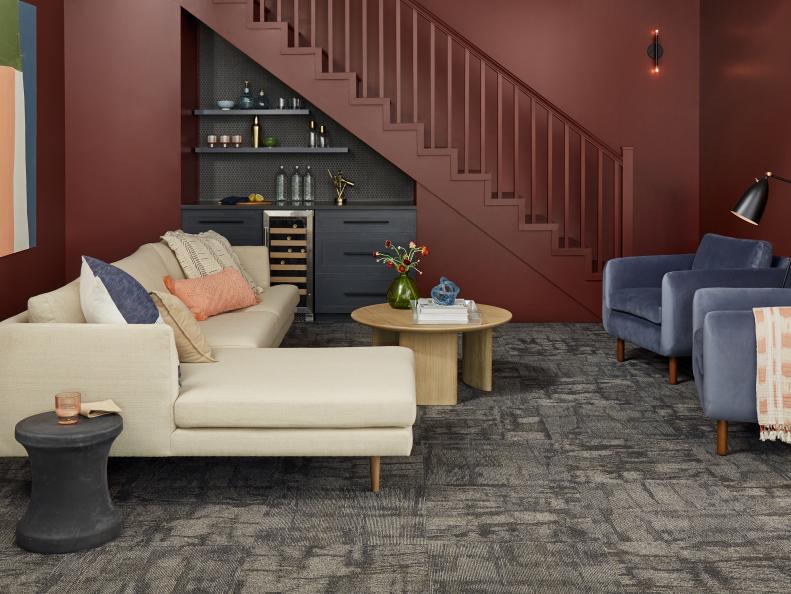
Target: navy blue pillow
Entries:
(108, 295)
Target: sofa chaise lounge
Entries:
(255, 401)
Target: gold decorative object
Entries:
(340, 183)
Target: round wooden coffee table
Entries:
(436, 348)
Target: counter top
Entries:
(315, 206)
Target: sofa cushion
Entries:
(213, 294)
(643, 302)
(280, 300)
(259, 329)
(108, 295)
(274, 388)
(204, 254)
(147, 267)
(718, 251)
(191, 344)
(58, 306)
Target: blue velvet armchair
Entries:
(724, 353)
(647, 300)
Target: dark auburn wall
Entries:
(745, 122)
(589, 58)
(40, 269)
(123, 98)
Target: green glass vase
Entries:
(402, 290)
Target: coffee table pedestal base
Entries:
(436, 362)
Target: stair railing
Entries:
(539, 158)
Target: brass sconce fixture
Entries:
(655, 51)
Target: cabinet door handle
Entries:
(222, 222)
(363, 294)
(366, 222)
(358, 254)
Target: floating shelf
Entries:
(274, 149)
(246, 112)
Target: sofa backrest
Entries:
(718, 252)
(149, 264)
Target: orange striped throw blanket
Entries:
(773, 377)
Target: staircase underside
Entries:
(470, 195)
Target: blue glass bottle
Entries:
(246, 100)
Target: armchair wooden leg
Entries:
(375, 464)
(619, 350)
(722, 438)
(673, 371)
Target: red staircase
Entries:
(482, 141)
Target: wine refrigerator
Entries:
(289, 236)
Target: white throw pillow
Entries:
(204, 254)
(108, 295)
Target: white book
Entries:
(463, 311)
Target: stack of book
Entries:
(463, 311)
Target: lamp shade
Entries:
(751, 205)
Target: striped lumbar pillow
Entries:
(204, 254)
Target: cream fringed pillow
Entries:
(204, 254)
(190, 342)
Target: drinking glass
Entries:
(67, 407)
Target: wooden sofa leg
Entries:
(375, 464)
(619, 350)
(672, 368)
(722, 438)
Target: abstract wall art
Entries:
(17, 126)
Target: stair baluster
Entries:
(598, 227)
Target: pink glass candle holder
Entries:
(67, 407)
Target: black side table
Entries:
(70, 506)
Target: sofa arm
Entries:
(255, 260)
(134, 365)
(735, 299)
(729, 366)
(641, 271)
(678, 291)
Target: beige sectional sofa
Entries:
(255, 401)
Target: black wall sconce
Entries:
(655, 52)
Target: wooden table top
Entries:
(384, 317)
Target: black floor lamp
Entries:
(751, 205)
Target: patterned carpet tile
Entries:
(335, 568)
(575, 474)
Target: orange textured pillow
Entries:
(214, 294)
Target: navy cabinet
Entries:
(239, 226)
(347, 275)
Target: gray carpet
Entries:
(575, 475)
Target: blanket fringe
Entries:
(776, 433)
